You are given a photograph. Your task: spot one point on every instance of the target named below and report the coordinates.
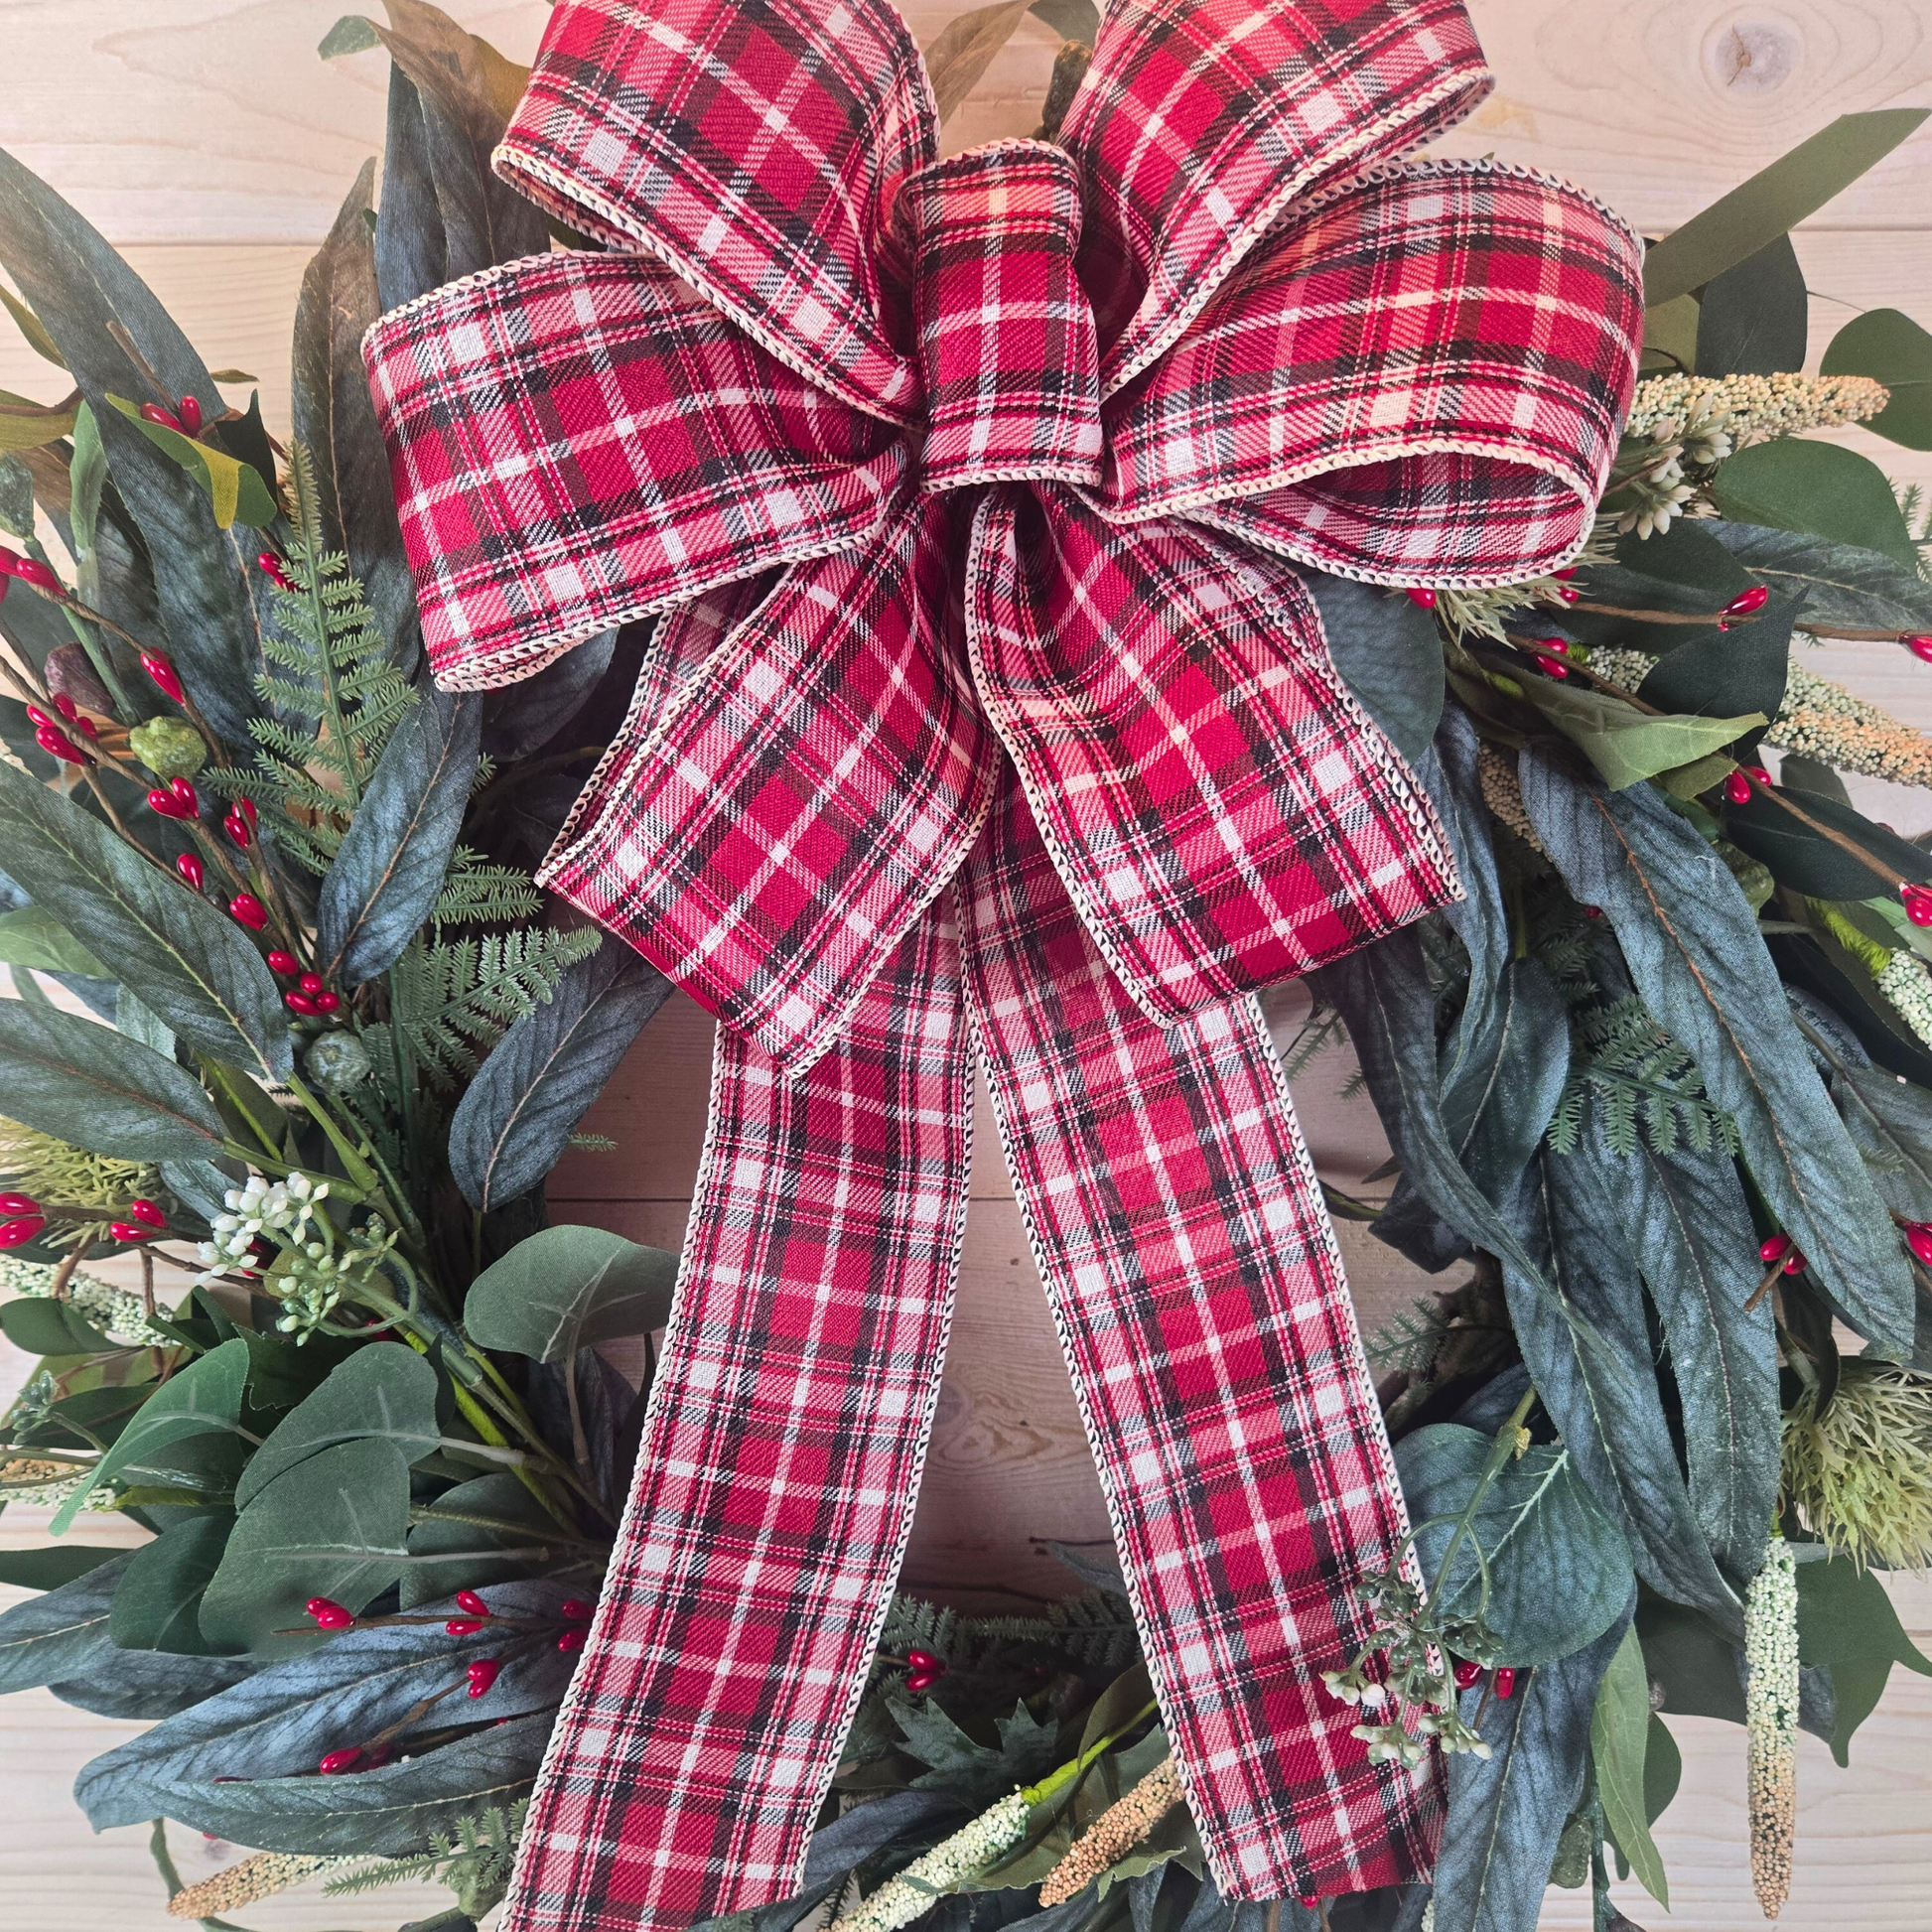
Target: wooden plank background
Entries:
(204, 138)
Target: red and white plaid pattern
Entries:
(968, 486)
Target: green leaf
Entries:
(1506, 1811)
(58, 1633)
(196, 970)
(1624, 744)
(350, 35)
(1846, 585)
(37, 340)
(57, 1563)
(1072, 20)
(1693, 949)
(98, 1089)
(1752, 319)
(383, 1391)
(1670, 329)
(235, 491)
(334, 1523)
(492, 1529)
(1774, 202)
(1684, 569)
(1723, 673)
(1559, 1567)
(160, 1598)
(1663, 1769)
(1791, 483)
(391, 866)
(1847, 1624)
(411, 249)
(43, 1326)
(1890, 348)
(30, 937)
(1388, 655)
(1619, 1738)
(204, 1398)
(1889, 1120)
(514, 1118)
(1808, 862)
(564, 1288)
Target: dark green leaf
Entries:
(1846, 1625)
(332, 1525)
(1388, 655)
(1774, 202)
(203, 1398)
(196, 970)
(1693, 1661)
(1663, 1767)
(100, 1090)
(1559, 1567)
(49, 1327)
(79, 287)
(411, 252)
(386, 878)
(522, 718)
(334, 417)
(1889, 1121)
(514, 1121)
(1846, 585)
(567, 1287)
(57, 1563)
(33, 937)
(1820, 489)
(1692, 944)
(1506, 1812)
(493, 1529)
(1808, 862)
(160, 1598)
(1892, 348)
(1619, 1739)
(1752, 318)
(1723, 672)
(383, 1390)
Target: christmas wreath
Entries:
(1658, 1084)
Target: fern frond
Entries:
(1642, 1085)
(474, 893)
(452, 1002)
(1411, 1339)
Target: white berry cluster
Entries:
(311, 1274)
(963, 1856)
(1772, 1721)
(1701, 411)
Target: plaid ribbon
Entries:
(989, 718)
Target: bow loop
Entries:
(1199, 121)
(754, 150)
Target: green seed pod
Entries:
(337, 1061)
(169, 748)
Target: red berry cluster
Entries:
(1780, 1247)
(185, 419)
(1502, 1679)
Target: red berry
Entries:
(924, 1660)
(1423, 597)
(56, 743)
(246, 807)
(1745, 601)
(302, 1004)
(1795, 1262)
(328, 1001)
(146, 1210)
(339, 1761)
(152, 412)
(188, 409)
(1775, 1247)
(1466, 1672)
(922, 1680)
(576, 1609)
(185, 796)
(482, 1674)
(162, 670)
(1917, 902)
(18, 1204)
(247, 909)
(1568, 595)
(311, 982)
(1504, 1681)
(1738, 788)
(13, 1234)
(271, 568)
(1918, 1237)
(190, 868)
(1758, 772)
(334, 1618)
(1308, 1901)
(36, 715)
(167, 804)
(1552, 668)
(463, 1626)
(237, 829)
(86, 727)
(1920, 646)
(1560, 646)
(468, 1600)
(128, 1231)
(30, 570)
(1563, 575)
(314, 1604)
(570, 1640)
(65, 706)
(284, 962)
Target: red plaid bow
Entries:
(989, 713)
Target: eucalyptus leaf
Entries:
(565, 1288)
(1693, 949)
(1619, 1739)
(196, 970)
(1388, 654)
(1848, 1626)
(492, 1529)
(1889, 347)
(517, 1114)
(386, 878)
(98, 1089)
(160, 1598)
(1753, 318)
(334, 1523)
(383, 1391)
(1846, 585)
(1820, 489)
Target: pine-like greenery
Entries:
(1643, 1084)
(1410, 1339)
(474, 1863)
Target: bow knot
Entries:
(1005, 340)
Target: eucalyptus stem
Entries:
(1506, 1444)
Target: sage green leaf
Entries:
(203, 1398)
(1619, 1739)
(1693, 949)
(1846, 585)
(1820, 489)
(383, 1391)
(1558, 1567)
(1624, 744)
(564, 1288)
(158, 1602)
(1846, 1625)
(1752, 319)
(489, 1530)
(1774, 202)
(1388, 654)
(334, 418)
(32, 938)
(334, 1523)
(197, 971)
(1684, 569)
(516, 1117)
(386, 878)
(235, 491)
(98, 1089)
(1506, 1811)
(52, 1565)
(1889, 347)
(965, 47)
(1670, 329)
(204, 576)
(40, 1327)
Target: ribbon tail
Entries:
(1180, 1230)
(782, 1454)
